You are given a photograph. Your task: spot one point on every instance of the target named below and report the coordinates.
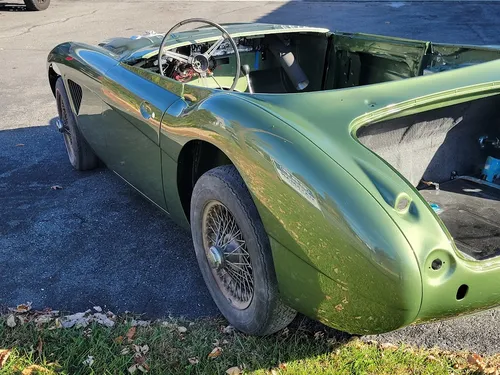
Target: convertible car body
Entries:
(372, 163)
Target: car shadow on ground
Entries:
(96, 241)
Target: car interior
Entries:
(311, 61)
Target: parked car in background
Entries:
(35, 4)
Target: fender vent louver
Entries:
(75, 91)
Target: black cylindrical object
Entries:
(287, 60)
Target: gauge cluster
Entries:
(244, 45)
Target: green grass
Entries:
(306, 348)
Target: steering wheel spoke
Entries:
(178, 56)
(214, 47)
(200, 62)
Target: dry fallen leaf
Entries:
(119, 339)
(388, 346)
(274, 372)
(75, 320)
(233, 371)
(20, 145)
(125, 351)
(35, 370)
(132, 369)
(168, 325)
(476, 360)
(98, 309)
(102, 319)
(194, 360)
(22, 308)
(11, 321)
(491, 371)
(228, 329)
(4, 355)
(139, 359)
(141, 349)
(131, 333)
(43, 319)
(57, 324)
(217, 351)
(56, 187)
(282, 366)
(182, 329)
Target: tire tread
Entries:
(280, 315)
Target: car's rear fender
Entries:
(338, 256)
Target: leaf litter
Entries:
(24, 314)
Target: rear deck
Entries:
(471, 212)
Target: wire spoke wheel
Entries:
(66, 132)
(227, 254)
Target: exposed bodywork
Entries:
(354, 241)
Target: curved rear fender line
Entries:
(328, 119)
(312, 208)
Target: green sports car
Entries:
(351, 177)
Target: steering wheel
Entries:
(200, 61)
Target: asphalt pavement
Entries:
(98, 242)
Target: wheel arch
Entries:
(195, 158)
(53, 77)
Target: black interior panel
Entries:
(470, 210)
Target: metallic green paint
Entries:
(342, 251)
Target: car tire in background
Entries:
(234, 253)
(80, 154)
(37, 4)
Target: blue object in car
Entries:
(491, 169)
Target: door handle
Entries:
(146, 111)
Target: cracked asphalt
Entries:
(96, 241)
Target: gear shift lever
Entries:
(246, 71)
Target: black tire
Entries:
(266, 313)
(37, 4)
(80, 154)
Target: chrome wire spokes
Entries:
(64, 129)
(227, 254)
